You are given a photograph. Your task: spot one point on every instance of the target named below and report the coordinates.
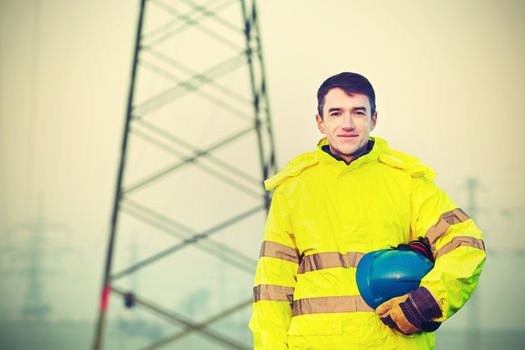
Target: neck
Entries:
(349, 158)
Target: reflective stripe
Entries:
(272, 292)
(279, 251)
(328, 260)
(324, 305)
(460, 241)
(455, 216)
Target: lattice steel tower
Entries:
(197, 145)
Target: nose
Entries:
(348, 122)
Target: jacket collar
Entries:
(380, 153)
(328, 159)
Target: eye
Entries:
(360, 113)
(335, 114)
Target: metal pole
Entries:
(264, 91)
(248, 27)
(106, 288)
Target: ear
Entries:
(374, 121)
(320, 123)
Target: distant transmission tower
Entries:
(36, 306)
(33, 250)
(196, 148)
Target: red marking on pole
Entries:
(104, 300)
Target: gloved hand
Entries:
(421, 246)
(411, 313)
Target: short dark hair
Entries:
(351, 83)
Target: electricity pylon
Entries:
(34, 251)
(197, 146)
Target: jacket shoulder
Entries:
(293, 169)
(404, 162)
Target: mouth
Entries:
(348, 135)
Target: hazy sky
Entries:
(448, 77)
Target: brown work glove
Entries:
(411, 313)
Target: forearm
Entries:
(454, 278)
(274, 279)
(456, 244)
(269, 324)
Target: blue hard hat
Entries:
(384, 274)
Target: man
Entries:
(351, 196)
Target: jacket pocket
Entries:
(316, 324)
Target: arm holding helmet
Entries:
(457, 248)
(275, 278)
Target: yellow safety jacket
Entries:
(325, 215)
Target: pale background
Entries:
(449, 83)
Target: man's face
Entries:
(346, 123)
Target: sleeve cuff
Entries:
(425, 304)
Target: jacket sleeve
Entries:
(275, 278)
(457, 246)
